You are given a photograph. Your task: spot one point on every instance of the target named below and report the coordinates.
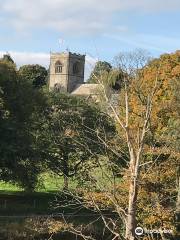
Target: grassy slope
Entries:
(48, 182)
(14, 201)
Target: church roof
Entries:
(86, 89)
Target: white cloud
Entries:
(75, 16)
(23, 58)
(156, 42)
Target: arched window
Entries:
(58, 67)
(58, 87)
(76, 68)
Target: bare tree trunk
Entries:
(133, 192)
(66, 168)
(66, 182)
(131, 64)
(66, 174)
(131, 217)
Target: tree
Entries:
(100, 67)
(167, 122)
(7, 58)
(112, 76)
(69, 133)
(145, 110)
(21, 109)
(142, 119)
(133, 128)
(35, 74)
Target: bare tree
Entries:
(131, 64)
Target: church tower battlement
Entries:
(66, 71)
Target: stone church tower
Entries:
(66, 71)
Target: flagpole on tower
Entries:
(61, 42)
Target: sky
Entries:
(31, 29)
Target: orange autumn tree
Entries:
(159, 181)
(146, 193)
(157, 192)
(147, 105)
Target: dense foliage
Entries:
(72, 132)
(35, 74)
(21, 106)
(100, 67)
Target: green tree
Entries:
(7, 58)
(21, 107)
(35, 74)
(105, 74)
(72, 132)
(99, 68)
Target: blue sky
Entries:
(29, 30)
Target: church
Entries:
(66, 74)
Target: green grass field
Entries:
(14, 201)
(48, 182)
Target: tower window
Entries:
(76, 68)
(58, 67)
